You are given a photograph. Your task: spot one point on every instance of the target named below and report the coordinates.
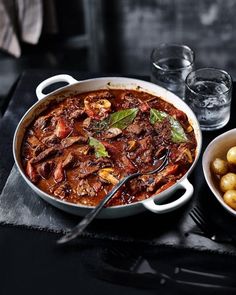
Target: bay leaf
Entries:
(99, 148)
(177, 132)
(157, 116)
(122, 119)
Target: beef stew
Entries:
(79, 148)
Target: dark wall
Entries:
(129, 30)
(133, 28)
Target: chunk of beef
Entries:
(103, 162)
(42, 122)
(129, 100)
(144, 107)
(144, 153)
(112, 148)
(97, 185)
(162, 177)
(33, 141)
(86, 169)
(66, 142)
(163, 130)
(45, 169)
(137, 185)
(45, 154)
(146, 142)
(146, 157)
(51, 140)
(27, 151)
(63, 191)
(59, 173)
(134, 128)
(72, 103)
(147, 149)
(39, 149)
(181, 154)
(146, 127)
(69, 161)
(89, 167)
(57, 112)
(77, 114)
(85, 189)
(127, 164)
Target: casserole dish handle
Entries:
(55, 79)
(152, 206)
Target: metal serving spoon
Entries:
(79, 228)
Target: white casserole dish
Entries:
(76, 87)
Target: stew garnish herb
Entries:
(99, 148)
(122, 119)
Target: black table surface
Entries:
(31, 262)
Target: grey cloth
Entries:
(20, 20)
(19, 205)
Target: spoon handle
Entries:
(79, 228)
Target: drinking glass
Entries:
(208, 93)
(170, 64)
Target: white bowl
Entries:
(218, 148)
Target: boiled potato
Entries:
(231, 155)
(230, 198)
(228, 182)
(219, 166)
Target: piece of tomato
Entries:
(32, 173)
(62, 128)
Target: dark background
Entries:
(118, 36)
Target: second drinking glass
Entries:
(208, 93)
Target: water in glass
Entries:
(170, 73)
(212, 105)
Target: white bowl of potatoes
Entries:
(219, 167)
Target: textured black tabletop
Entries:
(31, 263)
